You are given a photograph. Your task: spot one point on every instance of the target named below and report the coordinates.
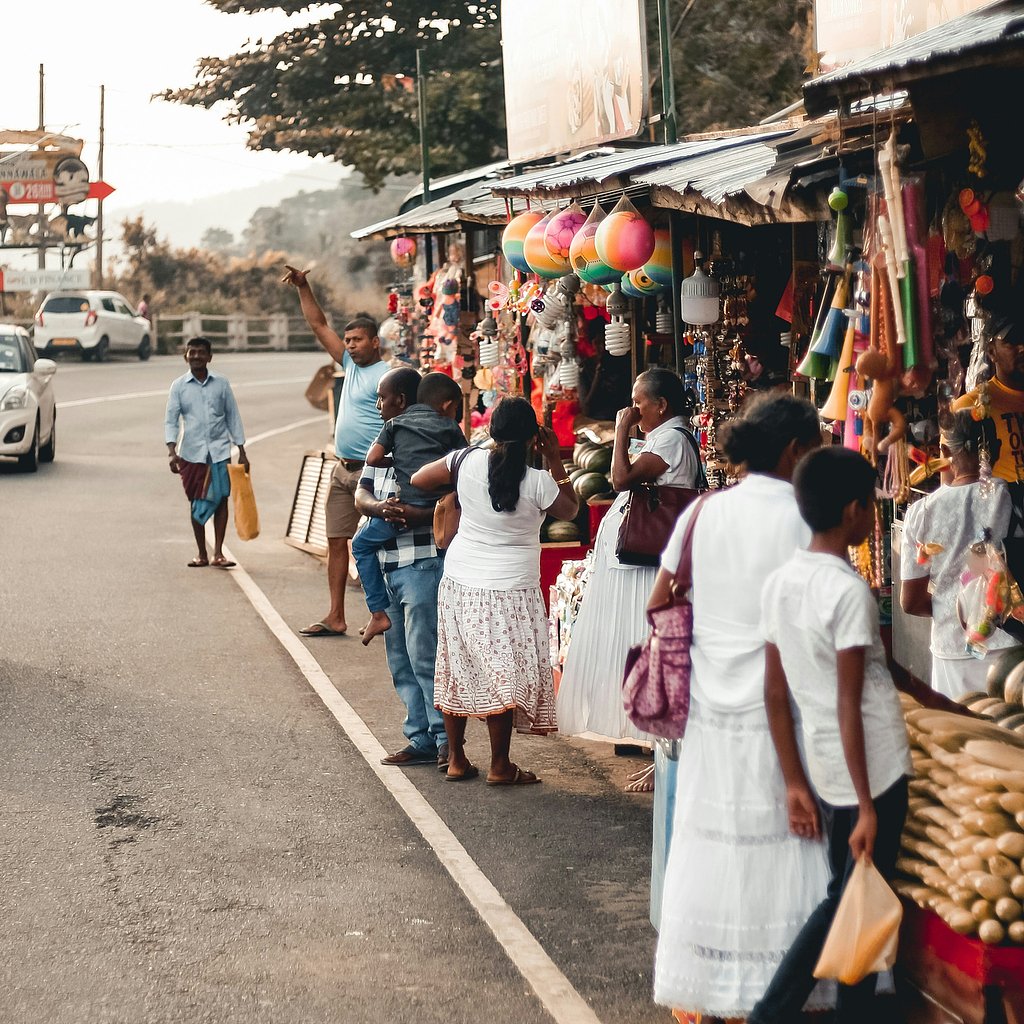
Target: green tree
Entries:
(217, 240)
(344, 85)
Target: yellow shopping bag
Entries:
(865, 931)
(247, 518)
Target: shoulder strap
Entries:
(684, 573)
(456, 463)
(702, 477)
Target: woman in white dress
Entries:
(950, 520)
(739, 885)
(492, 633)
(613, 614)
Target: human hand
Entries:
(175, 463)
(626, 419)
(243, 460)
(294, 277)
(803, 812)
(862, 838)
(391, 510)
(547, 442)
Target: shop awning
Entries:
(987, 38)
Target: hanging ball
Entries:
(838, 200)
(403, 251)
(514, 236)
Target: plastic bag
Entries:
(865, 931)
(247, 518)
(988, 595)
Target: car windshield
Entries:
(12, 360)
(66, 304)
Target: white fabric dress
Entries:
(954, 517)
(738, 886)
(613, 613)
(492, 634)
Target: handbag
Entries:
(650, 515)
(448, 511)
(656, 686)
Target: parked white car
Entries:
(28, 410)
(92, 323)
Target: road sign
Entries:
(43, 191)
(43, 280)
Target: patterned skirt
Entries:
(492, 655)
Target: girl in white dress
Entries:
(613, 614)
(739, 885)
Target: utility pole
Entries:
(668, 85)
(98, 272)
(421, 91)
(40, 214)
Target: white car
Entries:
(92, 323)
(28, 410)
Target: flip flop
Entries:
(199, 563)
(521, 778)
(320, 629)
(409, 756)
(223, 564)
(470, 773)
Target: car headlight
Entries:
(16, 398)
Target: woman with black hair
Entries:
(612, 616)
(738, 885)
(492, 633)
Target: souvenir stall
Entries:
(926, 247)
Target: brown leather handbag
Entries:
(448, 511)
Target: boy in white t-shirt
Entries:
(824, 650)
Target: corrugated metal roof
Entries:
(993, 28)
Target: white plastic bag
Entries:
(865, 932)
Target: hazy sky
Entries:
(154, 150)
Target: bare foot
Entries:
(641, 781)
(379, 623)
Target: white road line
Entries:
(162, 393)
(284, 430)
(554, 990)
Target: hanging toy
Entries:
(988, 594)
(838, 201)
(514, 237)
(583, 258)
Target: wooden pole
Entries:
(421, 95)
(40, 214)
(98, 272)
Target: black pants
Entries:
(794, 980)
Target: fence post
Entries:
(191, 326)
(238, 335)
(277, 329)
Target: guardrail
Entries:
(236, 332)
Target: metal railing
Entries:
(236, 332)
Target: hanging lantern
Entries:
(514, 236)
(403, 251)
(625, 240)
(617, 336)
(583, 258)
(561, 230)
(659, 267)
(536, 254)
(699, 297)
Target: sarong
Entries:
(206, 485)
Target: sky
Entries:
(155, 151)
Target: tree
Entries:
(344, 85)
(217, 240)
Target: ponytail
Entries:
(513, 427)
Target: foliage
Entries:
(344, 85)
(217, 240)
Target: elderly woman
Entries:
(492, 645)
(612, 616)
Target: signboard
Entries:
(575, 74)
(850, 29)
(49, 191)
(43, 280)
(32, 177)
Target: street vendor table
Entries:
(961, 978)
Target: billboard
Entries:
(850, 29)
(575, 74)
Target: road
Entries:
(191, 832)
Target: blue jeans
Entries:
(369, 539)
(411, 645)
(794, 980)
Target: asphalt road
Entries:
(188, 835)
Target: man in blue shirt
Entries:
(201, 406)
(357, 426)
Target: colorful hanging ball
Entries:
(514, 236)
(536, 254)
(625, 240)
(659, 267)
(641, 282)
(838, 199)
(583, 258)
(403, 251)
(562, 229)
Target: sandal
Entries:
(471, 772)
(199, 563)
(520, 778)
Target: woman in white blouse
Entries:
(492, 634)
(612, 615)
